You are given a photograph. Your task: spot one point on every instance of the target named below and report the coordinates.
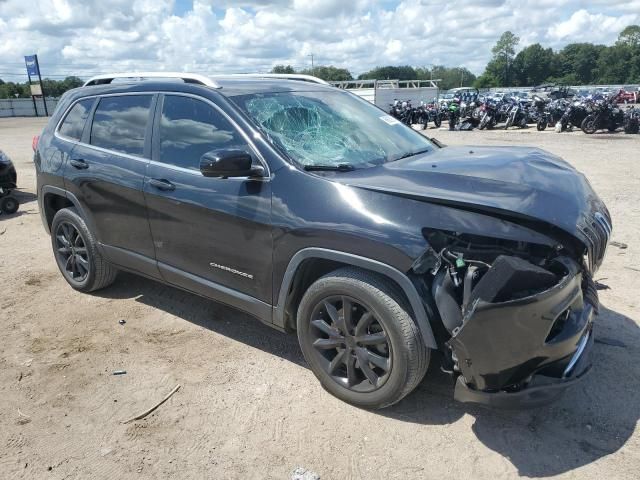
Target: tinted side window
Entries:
(189, 128)
(73, 123)
(120, 123)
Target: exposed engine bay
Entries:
(510, 309)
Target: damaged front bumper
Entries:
(525, 352)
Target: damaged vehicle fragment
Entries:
(519, 318)
(319, 214)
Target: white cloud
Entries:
(84, 37)
(601, 27)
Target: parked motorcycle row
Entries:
(467, 112)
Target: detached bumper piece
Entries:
(541, 390)
(523, 352)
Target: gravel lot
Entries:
(249, 407)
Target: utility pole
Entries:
(313, 70)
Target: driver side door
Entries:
(211, 235)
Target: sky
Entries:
(87, 37)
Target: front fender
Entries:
(397, 276)
(314, 211)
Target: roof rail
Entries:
(284, 76)
(186, 77)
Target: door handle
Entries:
(79, 163)
(161, 184)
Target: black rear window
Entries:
(120, 123)
(73, 123)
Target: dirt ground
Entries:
(249, 407)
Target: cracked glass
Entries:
(331, 128)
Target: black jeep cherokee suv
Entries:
(316, 212)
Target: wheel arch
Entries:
(53, 199)
(308, 264)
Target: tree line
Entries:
(450, 77)
(575, 64)
(52, 88)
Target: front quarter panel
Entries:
(310, 210)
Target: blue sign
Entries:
(32, 65)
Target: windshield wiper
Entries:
(407, 155)
(342, 167)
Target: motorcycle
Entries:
(488, 115)
(517, 116)
(402, 111)
(429, 113)
(632, 120)
(574, 115)
(603, 115)
(454, 113)
(543, 115)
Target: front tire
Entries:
(589, 125)
(359, 339)
(77, 255)
(509, 122)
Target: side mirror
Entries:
(229, 163)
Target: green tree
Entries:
(630, 36)
(533, 65)
(486, 80)
(71, 82)
(329, 73)
(579, 60)
(283, 69)
(501, 65)
(615, 65)
(390, 72)
(52, 88)
(449, 77)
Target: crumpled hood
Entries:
(517, 181)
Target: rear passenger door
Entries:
(208, 232)
(106, 173)
(55, 150)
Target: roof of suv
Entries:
(228, 85)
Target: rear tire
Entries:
(631, 126)
(542, 125)
(77, 255)
(334, 344)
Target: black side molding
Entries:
(68, 195)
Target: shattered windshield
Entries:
(331, 128)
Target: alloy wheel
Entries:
(71, 252)
(351, 344)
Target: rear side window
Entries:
(120, 123)
(73, 123)
(189, 128)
